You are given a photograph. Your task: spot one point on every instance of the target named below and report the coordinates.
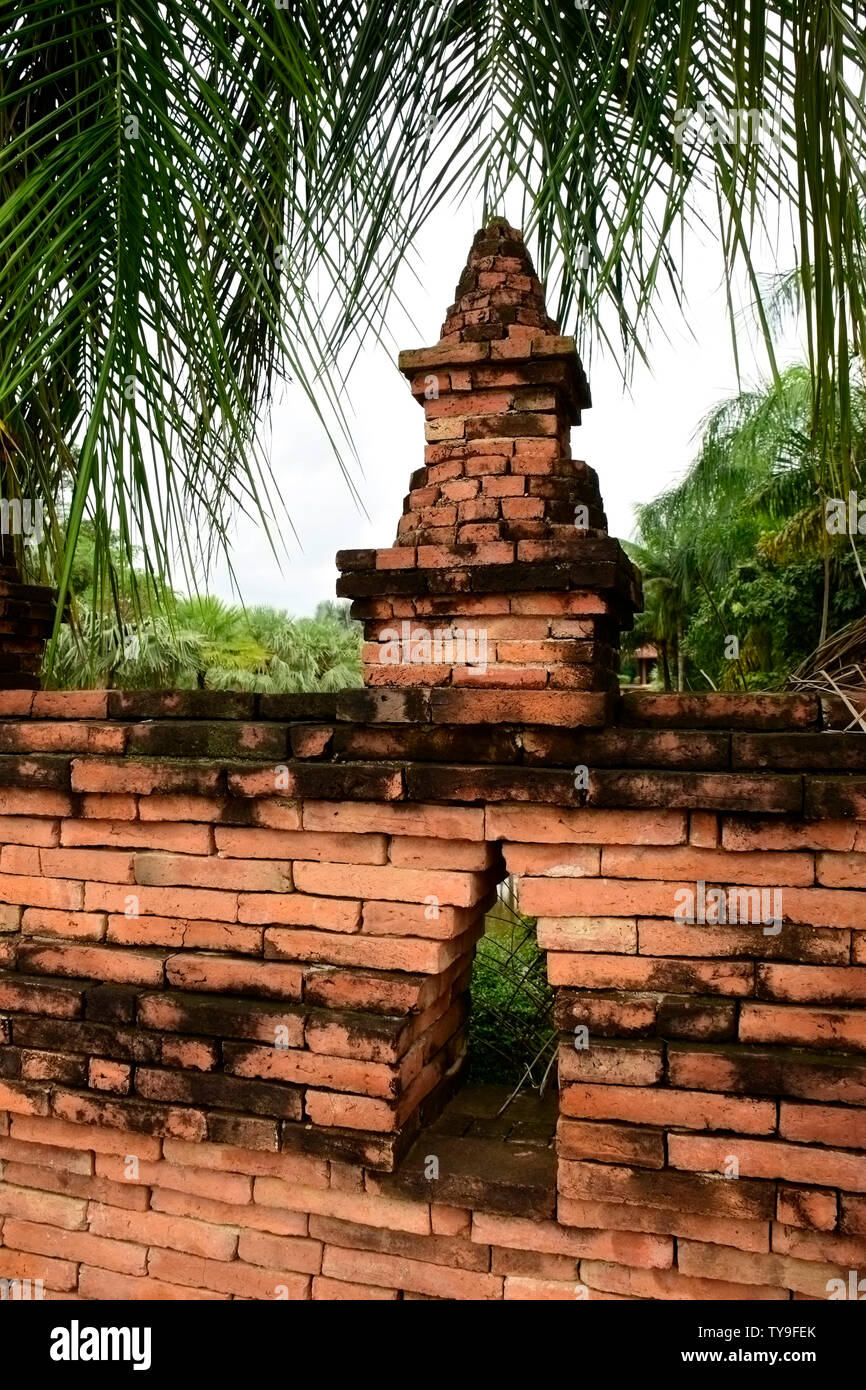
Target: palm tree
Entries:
(197, 203)
(208, 644)
(755, 494)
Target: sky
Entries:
(639, 440)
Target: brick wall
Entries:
(248, 973)
(236, 931)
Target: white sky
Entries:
(639, 442)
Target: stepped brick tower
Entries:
(502, 573)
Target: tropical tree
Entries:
(207, 644)
(198, 203)
(741, 546)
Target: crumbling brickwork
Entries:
(236, 931)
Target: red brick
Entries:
(20, 859)
(105, 865)
(93, 1108)
(55, 1274)
(810, 1207)
(852, 1219)
(109, 806)
(301, 910)
(23, 1100)
(280, 1252)
(237, 1278)
(659, 938)
(520, 707)
(197, 903)
(613, 1063)
(41, 892)
(104, 1075)
(361, 817)
(841, 870)
(525, 1288)
(392, 884)
(70, 704)
(394, 1271)
(45, 1208)
(172, 1232)
(730, 978)
(107, 1286)
(197, 1054)
(849, 1251)
(364, 1209)
(623, 1218)
(63, 736)
(339, 1290)
(778, 1270)
(684, 1192)
(45, 1155)
(671, 1284)
(15, 801)
(423, 853)
(279, 1223)
(714, 866)
(29, 830)
(93, 962)
(768, 1159)
(777, 1023)
(668, 1107)
(15, 702)
(180, 932)
(123, 1256)
(213, 872)
(289, 845)
(307, 1068)
(408, 954)
(578, 934)
(350, 1112)
(611, 1143)
(547, 825)
(561, 861)
(836, 1125)
(414, 919)
(805, 984)
(178, 837)
(158, 807)
(142, 778)
(70, 926)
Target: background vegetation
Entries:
(740, 547)
(159, 639)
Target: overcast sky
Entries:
(639, 441)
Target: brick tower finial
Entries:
(502, 546)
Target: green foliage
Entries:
(740, 548)
(208, 644)
(511, 1037)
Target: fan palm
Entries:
(197, 203)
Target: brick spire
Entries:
(502, 534)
